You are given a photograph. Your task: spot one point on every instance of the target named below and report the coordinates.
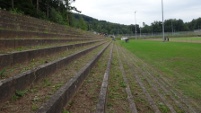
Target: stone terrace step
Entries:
(34, 22)
(27, 68)
(14, 21)
(22, 56)
(21, 42)
(30, 34)
(23, 80)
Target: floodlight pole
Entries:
(135, 26)
(163, 21)
(140, 30)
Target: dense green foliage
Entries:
(54, 10)
(171, 25)
(60, 11)
(179, 62)
(104, 26)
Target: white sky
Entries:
(148, 11)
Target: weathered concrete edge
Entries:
(21, 42)
(130, 97)
(101, 105)
(22, 56)
(13, 34)
(22, 80)
(56, 103)
(150, 100)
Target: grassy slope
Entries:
(181, 62)
(186, 39)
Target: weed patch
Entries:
(19, 94)
(34, 107)
(2, 73)
(65, 111)
(46, 82)
(163, 108)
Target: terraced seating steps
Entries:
(22, 80)
(22, 56)
(12, 22)
(65, 93)
(66, 76)
(101, 105)
(21, 42)
(21, 20)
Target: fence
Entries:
(169, 34)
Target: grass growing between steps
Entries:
(86, 98)
(178, 62)
(34, 63)
(2, 73)
(39, 46)
(116, 97)
(39, 92)
(139, 97)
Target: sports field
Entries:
(178, 62)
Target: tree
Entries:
(42, 8)
(37, 6)
(56, 16)
(12, 2)
(82, 24)
(156, 26)
(146, 29)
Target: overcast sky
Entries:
(148, 11)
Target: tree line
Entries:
(54, 10)
(171, 25)
(60, 11)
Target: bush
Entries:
(16, 11)
(56, 16)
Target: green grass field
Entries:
(181, 62)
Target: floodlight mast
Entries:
(135, 26)
(162, 21)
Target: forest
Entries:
(61, 12)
